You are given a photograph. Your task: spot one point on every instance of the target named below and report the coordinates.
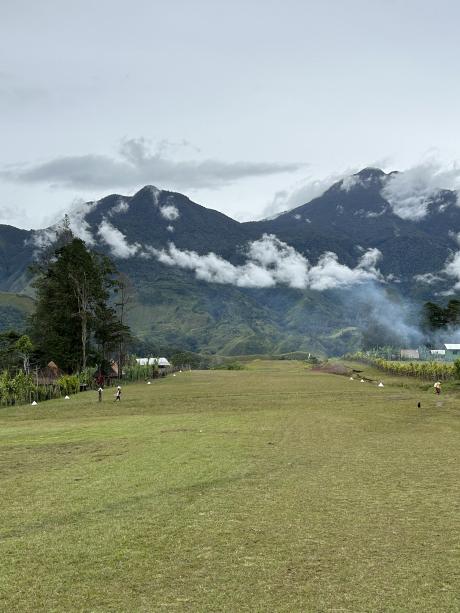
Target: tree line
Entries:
(81, 306)
(436, 317)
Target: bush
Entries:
(69, 384)
(457, 369)
(230, 366)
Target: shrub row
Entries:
(421, 370)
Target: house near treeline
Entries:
(449, 352)
(437, 354)
(48, 375)
(452, 352)
(160, 362)
(410, 354)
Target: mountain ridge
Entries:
(199, 274)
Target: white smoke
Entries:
(375, 306)
(410, 192)
(116, 241)
(271, 262)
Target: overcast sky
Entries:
(233, 103)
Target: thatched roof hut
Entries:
(50, 374)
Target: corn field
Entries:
(429, 371)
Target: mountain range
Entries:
(346, 269)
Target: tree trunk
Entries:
(84, 337)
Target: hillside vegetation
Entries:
(14, 310)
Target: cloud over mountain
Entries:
(137, 165)
(116, 240)
(411, 191)
(272, 262)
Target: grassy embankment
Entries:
(268, 489)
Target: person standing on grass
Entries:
(99, 391)
(437, 387)
(118, 394)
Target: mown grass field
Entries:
(268, 489)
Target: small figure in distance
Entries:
(419, 404)
(437, 387)
(99, 391)
(118, 394)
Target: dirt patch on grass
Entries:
(333, 369)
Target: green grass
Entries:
(268, 489)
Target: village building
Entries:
(48, 375)
(410, 354)
(160, 362)
(452, 352)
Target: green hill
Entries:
(14, 310)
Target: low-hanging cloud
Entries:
(272, 262)
(42, 239)
(116, 241)
(452, 270)
(121, 207)
(285, 200)
(169, 212)
(137, 165)
(411, 192)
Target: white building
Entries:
(410, 354)
(452, 351)
(160, 362)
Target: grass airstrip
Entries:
(274, 488)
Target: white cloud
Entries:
(370, 259)
(169, 212)
(271, 262)
(117, 242)
(349, 182)
(121, 207)
(136, 164)
(410, 192)
(77, 218)
(42, 239)
(329, 273)
(452, 269)
(285, 200)
(170, 228)
(427, 278)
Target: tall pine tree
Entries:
(74, 324)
